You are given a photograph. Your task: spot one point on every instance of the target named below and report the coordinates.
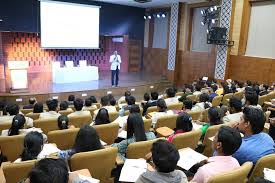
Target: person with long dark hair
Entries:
(135, 133)
(102, 117)
(86, 140)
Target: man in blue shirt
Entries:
(255, 143)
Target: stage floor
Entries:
(41, 83)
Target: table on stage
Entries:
(74, 74)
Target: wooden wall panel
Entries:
(135, 54)
(252, 68)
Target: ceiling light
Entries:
(163, 15)
(202, 23)
(202, 12)
(149, 17)
(213, 21)
(215, 8)
(207, 31)
(211, 9)
(158, 15)
(144, 17)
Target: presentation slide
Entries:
(69, 25)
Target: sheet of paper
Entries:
(189, 157)
(121, 121)
(132, 169)
(103, 143)
(122, 134)
(90, 179)
(196, 126)
(47, 150)
(211, 138)
(269, 174)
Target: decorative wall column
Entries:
(222, 50)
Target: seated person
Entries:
(64, 106)
(52, 107)
(150, 103)
(38, 108)
(165, 158)
(32, 101)
(251, 100)
(171, 96)
(197, 91)
(123, 98)
(187, 105)
(135, 133)
(130, 101)
(263, 89)
(188, 90)
(235, 110)
(112, 102)
(63, 123)
(226, 142)
(12, 110)
(93, 99)
(162, 111)
(78, 105)
(105, 104)
(203, 103)
(255, 143)
(183, 124)
(212, 91)
(102, 117)
(86, 140)
(71, 99)
(88, 105)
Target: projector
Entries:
(142, 1)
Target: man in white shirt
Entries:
(78, 105)
(115, 61)
(52, 107)
(235, 109)
(172, 99)
(105, 104)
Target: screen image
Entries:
(69, 25)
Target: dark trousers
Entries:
(115, 77)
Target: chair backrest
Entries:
(113, 116)
(46, 125)
(16, 172)
(187, 139)
(64, 139)
(4, 126)
(168, 121)
(195, 114)
(204, 116)
(107, 132)
(262, 99)
(267, 161)
(179, 93)
(225, 98)
(98, 105)
(239, 94)
(207, 143)
(65, 112)
(270, 96)
(33, 116)
(152, 109)
(176, 106)
(26, 111)
(216, 101)
(138, 150)
(191, 97)
(237, 176)
(126, 113)
(100, 163)
(79, 121)
(12, 146)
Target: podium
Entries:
(19, 74)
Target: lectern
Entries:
(19, 74)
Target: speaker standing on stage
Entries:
(115, 59)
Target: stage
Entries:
(40, 85)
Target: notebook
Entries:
(132, 169)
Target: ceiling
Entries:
(154, 3)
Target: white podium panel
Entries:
(19, 74)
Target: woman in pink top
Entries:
(226, 142)
(183, 124)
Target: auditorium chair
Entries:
(267, 161)
(204, 115)
(4, 126)
(91, 111)
(225, 99)
(238, 175)
(168, 121)
(57, 137)
(65, 112)
(147, 125)
(187, 139)
(191, 97)
(26, 111)
(196, 115)
(107, 132)
(100, 163)
(46, 125)
(179, 94)
(138, 150)
(177, 106)
(98, 105)
(126, 113)
(33, 116)
(79, 121)
(271, 96)
(12, 146)
(216, 101)
(113, 116)
(16, 172)
(207, 143)
(152, 109)
(239, 94)
(262, 99)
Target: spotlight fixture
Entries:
(211, 9)
(144, 17)
(149, 17)
(213, 21)
(215, 8)
(202, 12)
(202, 23)
(158, 15)
(163, 15)
(207, 31)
